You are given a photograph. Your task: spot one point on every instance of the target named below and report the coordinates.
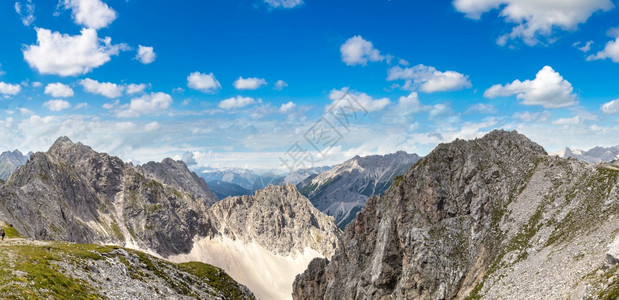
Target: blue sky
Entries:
(240, 83)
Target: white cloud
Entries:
(81, 105)
(357, 51)
(429, 79)
(343, 98)
(481, 108)
(611, 49)
(251, 83)
(37, 84)
(585, 48)
(57, 105)
(568, 121)
(610, 108)
(236, 102)
(411, 105)
(9, 89)
(135, 88)
(152, 126)
(548, 89)
(107, 89)
(146, 104)
(67, 55)
(91, 13)
(59, 90)
(535, 19)
(283, 3)
(146, 55)
(286, 107)
(280, 85)
(440, 110)
(26, 12)
(203, 82)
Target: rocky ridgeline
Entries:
(73, 193)
(342, 191)
(491, 218)
(10, 161)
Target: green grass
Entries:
(215, 277)
(35, 276)
(11, 232)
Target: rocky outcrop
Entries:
(283, 221)
(85, 271)
(342, 191)
(494, 217)
(176, 174)
(10, 161)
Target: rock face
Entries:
(342, 191)
(594, 155)
(10, 161)
(266, 239)
(73, 193)
(494, 217)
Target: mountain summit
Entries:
(494, 218)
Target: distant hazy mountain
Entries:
(252, 181)
(224, 189)
(594, 155)
(342, 191)
(10, 161)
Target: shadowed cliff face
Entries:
(75, 194)
(460, 221)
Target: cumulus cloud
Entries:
(440, 110)
(283, 3)
(152, 126)
(203, 82)
(236, 102)
(26, 11)
(411, 105)
(286, 107)
(357, 51)
(568, 121)
(59, 90)
(611, 49)
(189, 159)
(145, 55)
(535, 19)
(548, 89)
(91, 13)
(68, 55)
(251, 83)
(57, 105)
(9, 89)
(280, 85)
(611, 108)
(429, 79)
(107, 89)
(135, 88)
(146, 104)
(344, 98)
(481, 108)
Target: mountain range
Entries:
(490, 218)
(10, 161)
(594, 155)
(342, 191)
(73, 193)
